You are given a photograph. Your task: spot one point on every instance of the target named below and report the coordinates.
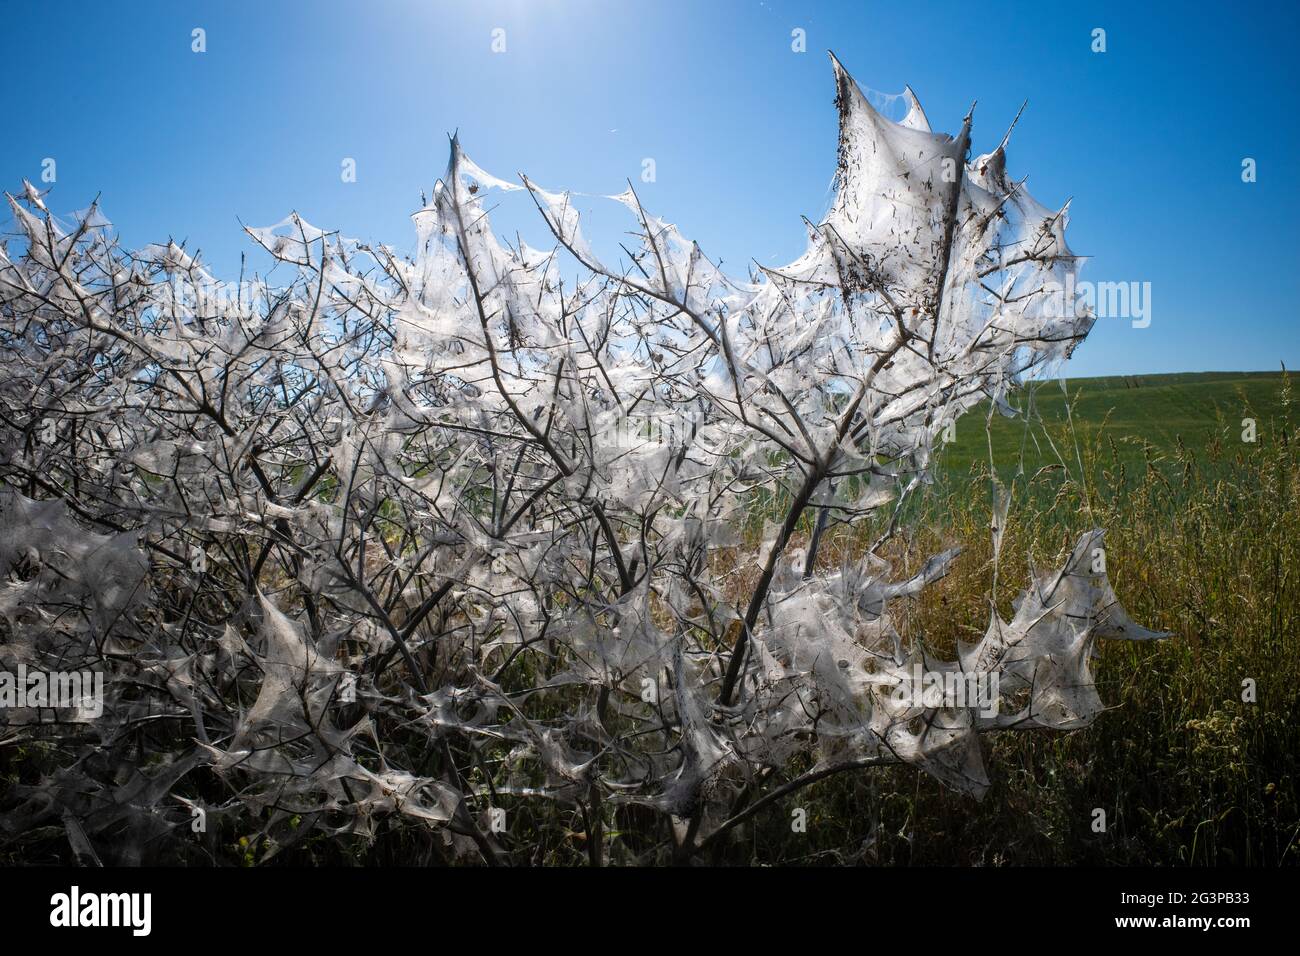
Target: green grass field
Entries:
(1131, 410)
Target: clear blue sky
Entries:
(1148, 137)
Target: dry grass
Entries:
(1204, 543)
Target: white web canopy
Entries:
(414, 535)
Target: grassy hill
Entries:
(1130, 410)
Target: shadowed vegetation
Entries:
(1203, 541)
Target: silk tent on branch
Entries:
(410, 540)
